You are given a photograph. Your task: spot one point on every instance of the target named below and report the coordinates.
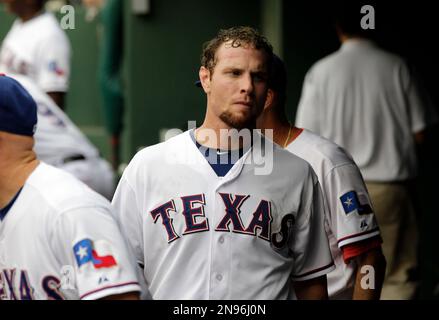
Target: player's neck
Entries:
(223, 138)
(13, 175)
(28, 15)
(283, 131)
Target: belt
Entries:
(75, 157)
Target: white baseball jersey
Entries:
(57, 138)
(39, 49)
(365, 100)
(241, 236)
(349, 211)
(59, 240)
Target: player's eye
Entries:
(234, 73)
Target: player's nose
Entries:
(246, 84)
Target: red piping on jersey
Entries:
(356, 249)
(357, 235)
(108, 287)
(314, 271)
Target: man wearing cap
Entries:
(49, 245)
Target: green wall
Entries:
(84, 104)
(162, 61)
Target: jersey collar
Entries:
(6, 209)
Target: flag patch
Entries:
(351, 203)
(98, 253)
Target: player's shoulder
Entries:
(158, 154)
(51, 26)
(63, 192)
(325, 63)
(311, 146)
(286, 162)
(29, 85)
(48, 19)
(157, 150)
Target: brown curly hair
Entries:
(239, 36)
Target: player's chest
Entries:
(251, 214)
(17, 57)
(29, 278)
(28, 269)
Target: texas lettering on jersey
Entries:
(15, 285)
(196, 221)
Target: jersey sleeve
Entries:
(351, 216)
(89, 240)
(308, 113)
(129, 218)
(310, 245)
(53, 64)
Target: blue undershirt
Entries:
(221, 161)
(6, 209)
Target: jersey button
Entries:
(221, 239)
(219, 277)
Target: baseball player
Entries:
(353, 232)
(201, 220)
(60, 143)
(50, 245)
(37, 47)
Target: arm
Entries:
(103, 265)
(364, 289)
(58, 98)
(313, 289)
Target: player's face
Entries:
(237, 88)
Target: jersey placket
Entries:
(221, 242)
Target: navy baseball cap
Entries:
(18, 110)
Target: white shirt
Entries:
(60, 241)
(344, 193)
(39, 49)
(200, 236)
(56, 137)
(364, 99)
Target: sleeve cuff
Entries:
(358, 237)
(358, 248)
(314, 273)
(111, 290)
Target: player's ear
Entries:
(269, 101)
(205, 79)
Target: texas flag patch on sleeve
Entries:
(351, 202)
(97, 253)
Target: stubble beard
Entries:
(238, 122)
